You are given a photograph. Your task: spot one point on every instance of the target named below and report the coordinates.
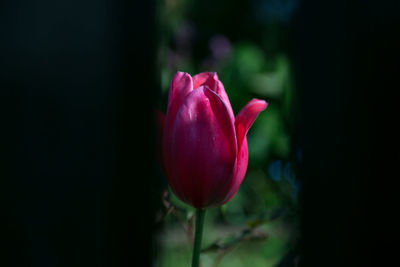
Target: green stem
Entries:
(200, 213)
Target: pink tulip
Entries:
(204, 147)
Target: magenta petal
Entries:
(247, 116)
(205, 78)
(211, 80)
(203, 149)
(181, 87)
(240, 170)
(243, 122)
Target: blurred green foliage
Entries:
(249, 55)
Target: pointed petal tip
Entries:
(181, 85)
(262, 104)
(180, 74)
(246, 117)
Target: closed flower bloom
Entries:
(204, 147)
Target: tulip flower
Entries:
(204, 146)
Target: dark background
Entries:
(77, 81)
(347, 57)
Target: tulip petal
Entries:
(211, 80)
(246, 118)
(243, 122)
(205, 78)
(181, 86)
(203, 149)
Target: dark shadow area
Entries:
(346, 58)
(77, 80)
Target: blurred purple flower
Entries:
(183, 37)
(220, 47)
(172, 59)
